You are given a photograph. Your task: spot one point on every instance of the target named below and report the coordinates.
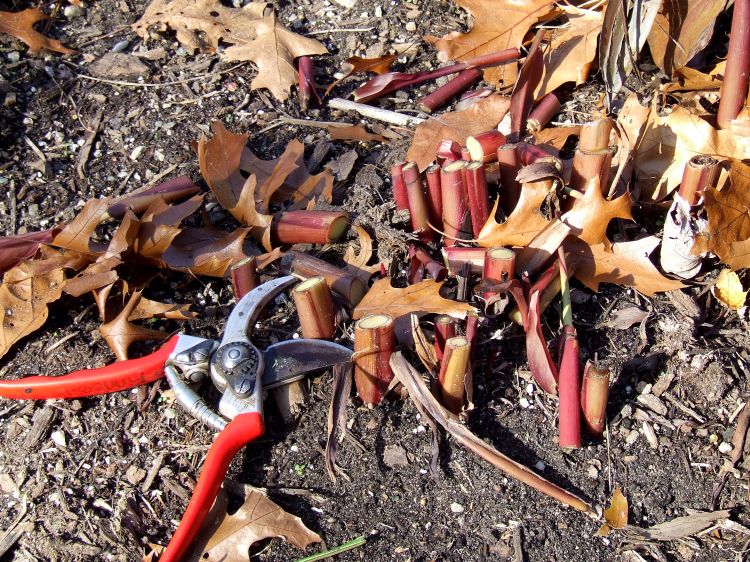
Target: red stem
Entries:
(483, 147)
(454, 207)
(306, 82)
(399, 187)
(543, 113)
(435, 196)
(442, 95)
(445, 329)
(479, 199)
(418, 209)
(508, 166)
(570, 391)
(394, 81)
(734, 89)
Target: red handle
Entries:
(90, 382)
(238, 433)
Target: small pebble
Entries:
(13, 56)
(294, 448)
(524, 402)
(725, 448)
(58, 438)
(540, 466)
(632, 437)
(650, 434)
(410, 26)
(120, 46)
(457, 508)
(593, 472)
(73, 11)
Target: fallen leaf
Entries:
(225, 158)
(354, 133)
(357, 65)
(258, 518)
(616, 515)
(552, 139)
(204, 251)
(571, 51)
(668, 142)
(728, 290)
(77, 234)
(252, 36)
(420, 298)
(679, 527)
(21, 25)
(146, 309)
(728, 229)
(456, 126)
(524, 222)
(628, 263)
(23, 302)
(120, 333)
(626, 317)
(622, 38)
(681, 30)
(592, 213)
(498, 25)
(689, 79)
(359, 260)
(14, 249)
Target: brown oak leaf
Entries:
(77, 234)
(120, 332)
(616, 515)
(456, 126)
(498, 25)
(24, 297)
(14, 249)
(572, 50)
(592, 213)
(225, 158)
(21, 25)
(681, 30)
(628, 263)
(420, 298)
(253, 35)
(728, 231)
(356, 65)
(229, 537)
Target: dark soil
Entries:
(72, 473)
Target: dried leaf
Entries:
(552, 139)
(681, 30)
(524, 222)
(529, 77)
(14, 249)
(592, 213)
(668, 142)
(498, 25)
(689, 79)
(616, 514)
(258, 518)
(679, 527)
(571, 51)
(24, 297)
(456, 126)
(204, 251)
(77, 235)
(624, 32)
(626, 317)
(169, 191)
(357, 65)
(120, 333)
(359, 260)
(147, 308)
(628, 263)
(728, 229)
(224, 158)
(341, 389)
(354, 133)
(21, 25)
(253, 36)
(728, 290)
(421, 298)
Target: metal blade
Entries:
(292, 360)
(246, 311)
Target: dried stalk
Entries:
(701, 171)
(309, 227)
(453, 370)
(377, 113)
(595, 135)
(589, 164)
(445, 93)
(445, 329)
(343, 283)
(457, 256)
(244, 277)
(594, 396)
(426, 402)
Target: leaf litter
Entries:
(164, 234)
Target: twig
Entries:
(13, 208)
(159, 84)
(385, 115)
(83, 154)
(354, 543)
(517, 544)
(61, 341)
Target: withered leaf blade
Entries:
(498, 25)
(456, 125)
(120, 333)
(231, 536)
(628, 263)
(420, 298)
(252, 34)
(681, 30)
(524, 222)
(23, 302)
(728, 290)
(77, 234)
(624, 318)
(21, 25)
(378, 65)
(341, 389)
(679, 527)
(616, 515)
(204, 251)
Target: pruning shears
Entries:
(238, 369)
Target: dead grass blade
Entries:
(341, 389)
